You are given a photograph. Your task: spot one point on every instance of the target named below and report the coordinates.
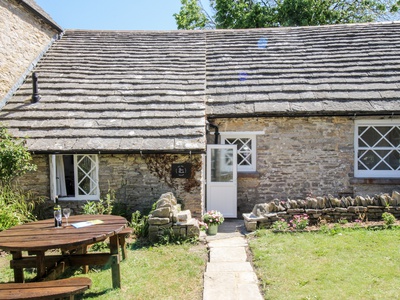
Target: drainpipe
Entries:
(35, 89)
(216, 132)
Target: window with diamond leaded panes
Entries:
(74, 177)
(377, 146)
(246, 149)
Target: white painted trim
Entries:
(222, 196)
(78, 197)
(53, 181)
(372, 173)
(249, 134)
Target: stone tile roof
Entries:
(115, 91)
(341, 69)
(121, 91)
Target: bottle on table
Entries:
(57, 207)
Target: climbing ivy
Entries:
(161, 166)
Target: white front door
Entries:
(222, 179)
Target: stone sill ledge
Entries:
(248, 174)
(375, 181)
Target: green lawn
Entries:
(349, 264)
(163, 272)
(346, 264)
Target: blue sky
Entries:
(113, 15)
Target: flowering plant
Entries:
(213, 217)
(203, 226)
(299, 222)
(280, 225)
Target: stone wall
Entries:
(22, 39)
(324, 209)
(168, 219)
(139, 188)
(299, 157)
(136, 187)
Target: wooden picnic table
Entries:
(37, 238)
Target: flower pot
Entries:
(212, 229)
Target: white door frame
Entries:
(222, 194)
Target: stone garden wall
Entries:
(167, 218)
(329, 209)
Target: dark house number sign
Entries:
(181, 170)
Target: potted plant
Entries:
(213, 218)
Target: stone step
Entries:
(222, 254)
(229, 267)
(231, 285)
(228, 242)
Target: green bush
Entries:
(16, 206)
(101, 207)
(280, 225)
(388, 218)
(139, 224)
(15, 160)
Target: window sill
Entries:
(77, 199)
(252, 174)
(375, 181)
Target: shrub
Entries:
(16, 206)
(15, 160)
(101, 207)
(280, 225)
(139, 224)
(388, 218)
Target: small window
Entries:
(74, 177)
(246, 149)
(377, 149)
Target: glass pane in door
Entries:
(222, 165)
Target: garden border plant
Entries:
(297, 223)
(16, 205)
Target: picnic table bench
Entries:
(43, 290)
(36, 238)
(122, 235)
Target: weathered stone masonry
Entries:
(22, 39)
(324, 209)
(128, 175)
(299, 157)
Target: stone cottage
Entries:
(224, 119)
(26, 32)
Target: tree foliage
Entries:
(191, 15)
(235, 14)
(15, 160)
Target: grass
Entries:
(337, 264)
(161, 272)
(341, 264)
(164, 272)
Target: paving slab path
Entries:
(229, 275)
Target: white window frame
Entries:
(248, 135)
(373, 173)
(95, 179)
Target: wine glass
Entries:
(66, 212)
(58, 217)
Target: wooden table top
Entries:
(42, 235)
